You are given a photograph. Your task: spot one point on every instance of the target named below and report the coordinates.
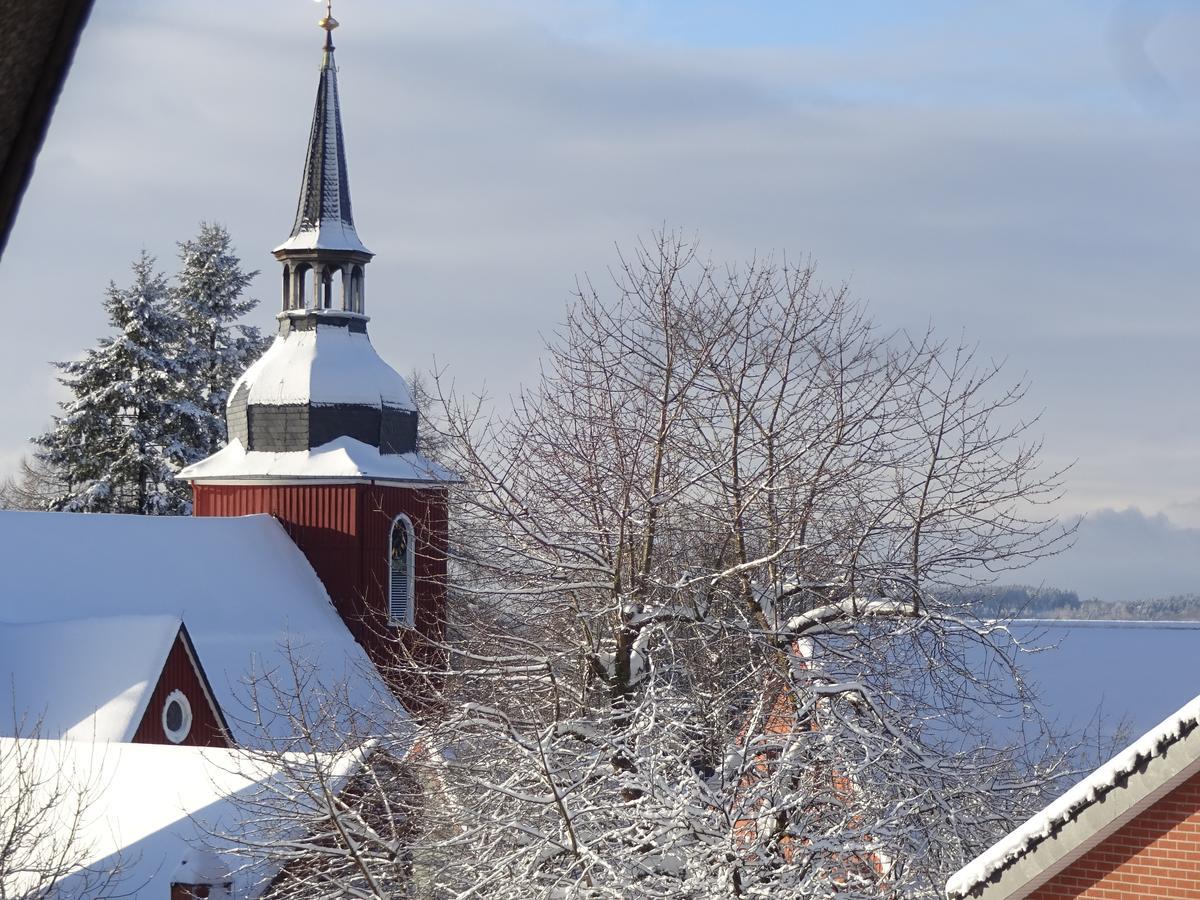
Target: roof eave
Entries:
(1082, 831)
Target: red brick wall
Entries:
(1154, 857)
(179, 674)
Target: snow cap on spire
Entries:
(323, 217)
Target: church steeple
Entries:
(323, 432)
(323, 258)
(321, 383)
(324, 220)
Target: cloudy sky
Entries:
(1022, 173)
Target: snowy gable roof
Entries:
(149, 807)
(88, 679)
(344, 457)
(250, 600)
(324, 365)
(1128, 784)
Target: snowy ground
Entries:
(1140, 672)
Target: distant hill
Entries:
(1025, 601)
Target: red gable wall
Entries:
(344, 530)
(1154, 857)
(179, 673)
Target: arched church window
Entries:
(327, 288)
(287, 288)
(299, 279)
(400, 575)
(356, 289)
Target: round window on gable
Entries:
(177, 717)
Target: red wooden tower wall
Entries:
(344, 531)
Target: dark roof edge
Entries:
(16, 169)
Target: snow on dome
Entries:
(87, 679)
(1124, 768)
(243, 589)
(325, 365)
(343, 457)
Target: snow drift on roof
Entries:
(149, 804)
(327, 365)
(245, 592)
(341, 458)
(88, 679)
(1069, 806)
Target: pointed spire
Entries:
(323, 217)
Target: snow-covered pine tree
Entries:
(116, 446)
(213, 350)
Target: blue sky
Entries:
(1024, 174)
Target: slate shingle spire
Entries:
(324, 220)
(320, 384)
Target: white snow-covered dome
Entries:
(321, 380)
(330, 362)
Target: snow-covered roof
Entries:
(247, 595)
(1129, 783)
(342, 458)
(120, 659)
(150, 806)
(325, 365)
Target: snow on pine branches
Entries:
(207, 296)
(149, 399)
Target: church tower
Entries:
(323, 432)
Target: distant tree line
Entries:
(149, 398)
(1025, 601)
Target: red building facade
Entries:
(323, 434)
(345, 530)
(181, 709)
(1156, 856)
(1129, 831)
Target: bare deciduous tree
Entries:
(44, 811)
(706, 634)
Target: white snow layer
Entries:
(150, 806)
(329, 234)
(1066, 808)
(241, 586)
(343, 457)
(329, 364)
(87, 679)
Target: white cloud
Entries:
(962, 167)
(1124, 555)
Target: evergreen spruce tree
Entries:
(116, 445)
(214, 350)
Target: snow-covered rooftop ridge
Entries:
(1128, 765)
(150, 807)
(86, 679)
(341, 458)
(328, 364)
(324, 220)
(248, 597)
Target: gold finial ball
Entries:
(329, 22)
